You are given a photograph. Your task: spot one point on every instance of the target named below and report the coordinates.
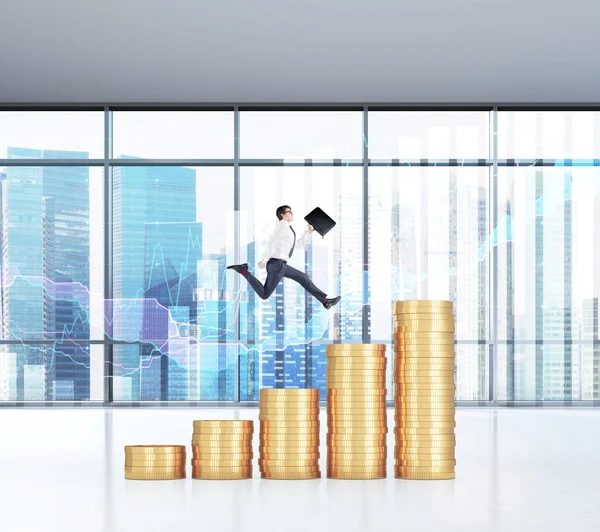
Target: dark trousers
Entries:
(278, 269)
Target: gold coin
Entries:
(289, 447)
(356, 381)
(357, 386)
(155, 476)
(420, 352)
(244, 470)
(221, 463)
(357, 423)
(426, 424)
(424, 303)
(290, 402)
(291, 469)
(356, 476)
(235, 424)
(425, 463)
(357, 460)
(425, 470)
(427, 315)
(220, 448)
(334, 470)
(367, 431)
(424, 457)
(291, 476)
(432, 325)
(289, 424)
(221, 476)
(286, 417)
(403, 420)
(423, 364)
(424, 374)
(290, 456)
(435, 408)
(357, 404)
(223, 456)
(292, 462)
(431, 393)
(426, 386)
(424, 476)
(363, 394)
(411, 445)
(274, 443)
(401, 431)
(292, 430)
(129, 461)
(154, 449)
(175, 469)
(247, 436)
(355, 441)
(356, 413)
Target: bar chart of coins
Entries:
(356, 412)
(289, 434)
(222, 449)
(424, 390)
(155, 462)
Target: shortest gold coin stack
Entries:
(155, 462)
(289, 434)
(222, 449)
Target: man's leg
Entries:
(274, 275)
(304, 281)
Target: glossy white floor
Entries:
(518, 470)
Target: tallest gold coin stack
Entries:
(356, 411)
(424, 390)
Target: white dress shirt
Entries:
(281, 242)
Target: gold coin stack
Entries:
(424, 394)
(222, 449)
(155, 462)
(289, 434)
(356, 411)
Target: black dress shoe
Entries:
(328, 303)
(239, 267)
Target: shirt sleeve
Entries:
(303, 240)
(272, 245)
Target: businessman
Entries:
(280, 249)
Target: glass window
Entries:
(413, 135)
(52, 282)
(548, 134)
(433, 224)
(301, 135)
(548, 239)
(51, 134)
(288, 332)
(173, 134)
(173, 238)
(65, 370)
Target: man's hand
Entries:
(261, 265)
(310, 228)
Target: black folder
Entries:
(320, 220)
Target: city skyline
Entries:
(196, 326)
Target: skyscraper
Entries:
(46, 248)
(142, 196)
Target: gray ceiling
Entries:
(377, 51)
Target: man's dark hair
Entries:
(281, 211)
